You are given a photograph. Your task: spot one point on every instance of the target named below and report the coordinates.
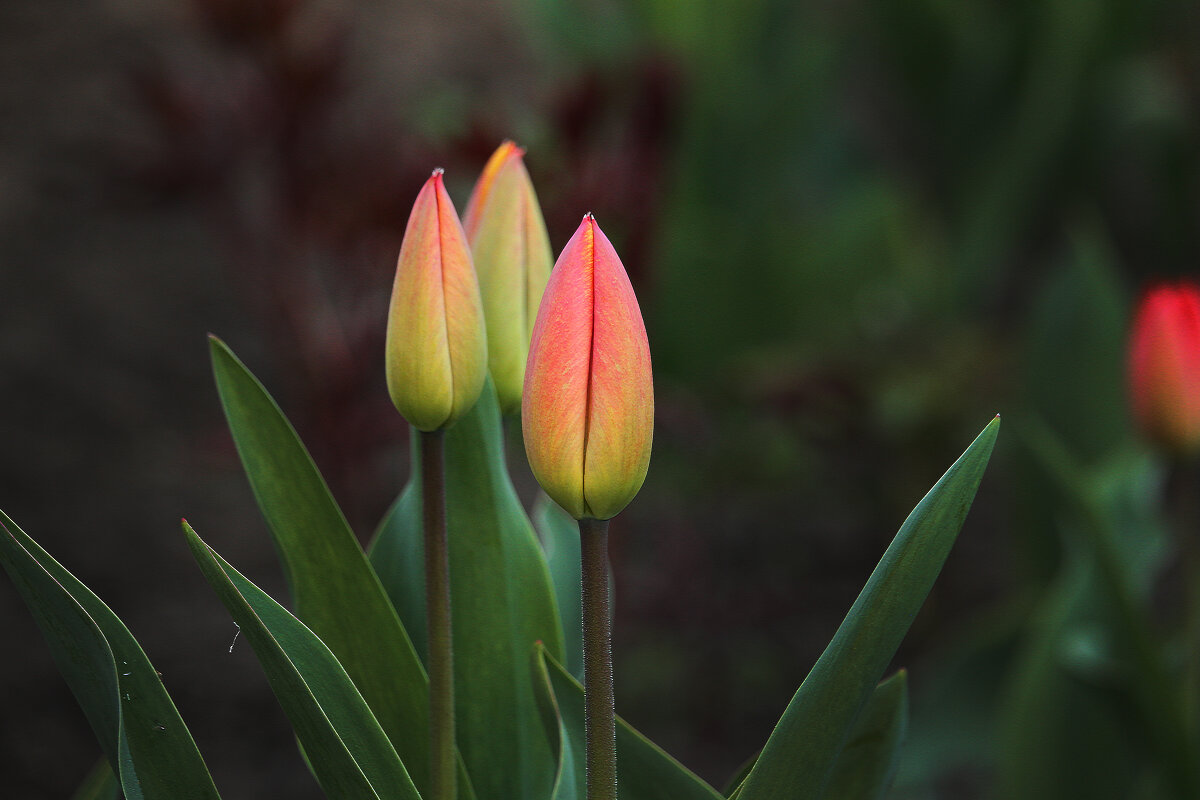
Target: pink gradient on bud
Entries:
(436, 352)
(588, 405)
(1164, 366)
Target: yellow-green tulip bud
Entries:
(512, 256)
(436, 340)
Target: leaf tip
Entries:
(990, 430)
(216, 344)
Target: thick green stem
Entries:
(600, 724)
(442, 772)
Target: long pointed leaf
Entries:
(120, 692)
(566, 749)
(343, 742)
(328, 573)
(868, 763)
(644, 770)
(799, 757)
(502, 601)
(734, 784)
(559, 535)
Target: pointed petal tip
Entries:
(511, 149)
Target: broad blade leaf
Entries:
(343, 742)
(644, 770)
(567, 750)
(734, 784)
(869, 761)
(559, 535)
(867, 764)
(120, 692)
(799, 757)
(502, 602)
(328, 573)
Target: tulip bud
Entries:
(588, 407)
(436, 342)
(511, 250)
(1164, 366)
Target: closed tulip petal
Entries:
(621, 399)
(483, 186)
(512, 258)
(1164, 366)
(588, 407)
(436, 342)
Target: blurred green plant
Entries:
(1082, 681)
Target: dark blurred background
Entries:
(858, 229)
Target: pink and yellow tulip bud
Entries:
(1164, 366)
(588, 407)
(436, 341)
(511, 250)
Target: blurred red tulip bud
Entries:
(512, 256)
(436, 342)
(588, 406)
(1164, 366)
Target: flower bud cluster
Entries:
(567, 347)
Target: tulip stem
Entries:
(442, 773)
(599, 708)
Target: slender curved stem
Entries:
(599, 708)
(442, 767)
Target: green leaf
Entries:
(799, 757)
(559, 535)
(734, 784)
(397, 555)
(644, 770)
(336, 592)
(120, 692)
(100, 784)
(502, 602)
(869, 761)
(342, 740)
(567, 750)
